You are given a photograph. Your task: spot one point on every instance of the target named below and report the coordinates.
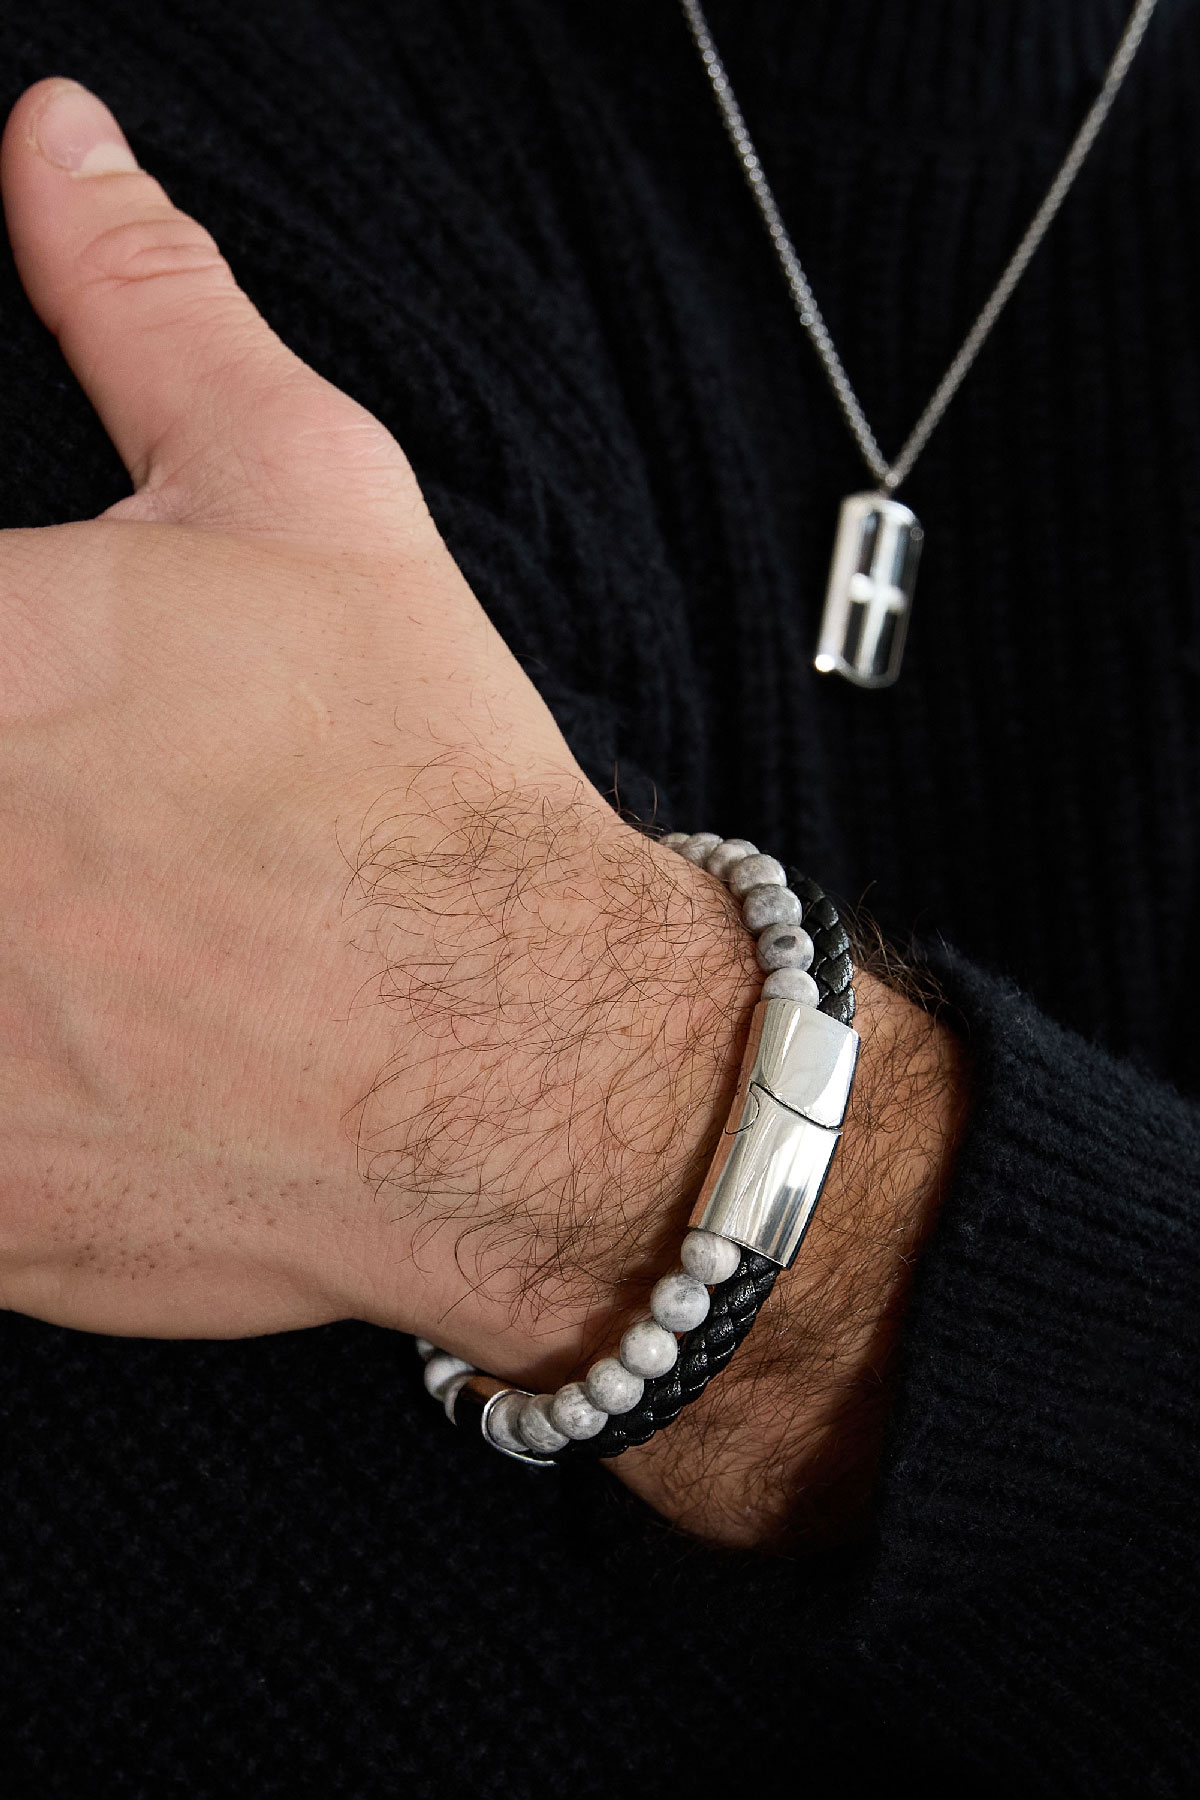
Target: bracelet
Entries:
(755, 1205)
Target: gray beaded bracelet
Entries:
(756, 1201)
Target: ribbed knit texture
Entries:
(1042, 1485)
(516, 232)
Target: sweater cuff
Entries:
(1042, 1460)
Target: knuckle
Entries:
(151, 248)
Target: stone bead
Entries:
(646, 1349)
(673, 839)
(610, 1385)
(784, 947)
(441, 1368)
(425, 1348)
(679, 1302)
(756, 871)
(791, 984)
(572, 1413)
(710, 1257)
(764, 906)
(503, 1426)
(721, 860)
(451, 1391)
(698, 847)
(534, 1425)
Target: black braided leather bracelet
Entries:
(755, 1204)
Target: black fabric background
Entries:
(516, 232)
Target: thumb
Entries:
(208, 410)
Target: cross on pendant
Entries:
(879, 598)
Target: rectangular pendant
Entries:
(871, 582)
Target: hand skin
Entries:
(329, 988)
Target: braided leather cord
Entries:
(832, 969)
(702, 1354)
(736, 1303)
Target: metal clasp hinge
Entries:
(782, 1131)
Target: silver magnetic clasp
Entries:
(782, 1131)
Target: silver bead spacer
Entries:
(502, 1422)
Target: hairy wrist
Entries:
(784, 1446)
(578, 998)
(583, 999)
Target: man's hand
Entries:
(329, 987)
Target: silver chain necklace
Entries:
(878, 543)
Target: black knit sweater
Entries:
(516, 232)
